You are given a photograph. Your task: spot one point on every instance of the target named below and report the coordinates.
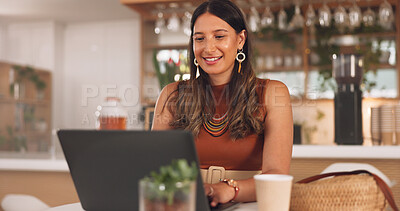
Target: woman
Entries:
(239, 122)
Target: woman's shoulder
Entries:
(268, 83)
(276, 84)
(277, 94)
(166, 93)
(172, 89)
(261, 81)
(271, 89)
(169, 88)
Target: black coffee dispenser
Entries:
(348, 73)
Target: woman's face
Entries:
(215, 44)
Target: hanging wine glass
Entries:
(282, 19)
(297, 20)
(341, 18)
(324, 16)
(369, 17)
(187, 17)
(254, 19)
(355, 16)
(267, 18)
(159, 25)
(386, 16)
(173, 22)
(310, 15)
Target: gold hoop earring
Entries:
(197, 68)
(240, 57)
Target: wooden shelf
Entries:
(318, 67)
(280, 69)
(384, 66)
(26, 101)
(380, 66)
(304, 99)
(375, 34)
(149, 74)
(149, 102)
(163, 47)
(17, 112)
(148, 8)
(25, 155)
(34, 133)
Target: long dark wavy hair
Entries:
(192, 103)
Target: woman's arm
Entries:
(162, 115)
(277, 151)
(278, 138)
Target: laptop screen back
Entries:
(106, 166)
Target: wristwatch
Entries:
(233, 184)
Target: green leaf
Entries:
(169, 175)
(2, 140)
(28, 73)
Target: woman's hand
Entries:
(219, 193)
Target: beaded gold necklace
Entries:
(217, 126)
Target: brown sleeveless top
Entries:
(220, 150)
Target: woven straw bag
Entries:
(356, 190)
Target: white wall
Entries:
(101, 59)
(30, 44)
(2, 41)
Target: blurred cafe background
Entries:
(89, 64)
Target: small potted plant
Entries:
(26, 74)
(173, 188)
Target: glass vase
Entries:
(179, 196)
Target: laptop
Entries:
(106, 166)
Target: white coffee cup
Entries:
(273, 191)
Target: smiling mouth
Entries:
(212, 59)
